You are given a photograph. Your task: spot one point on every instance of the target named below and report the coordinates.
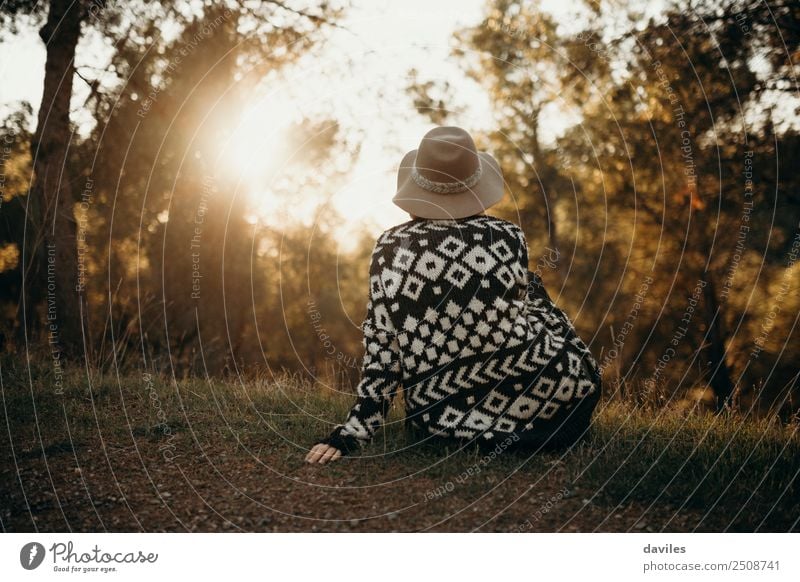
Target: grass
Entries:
(108, 440)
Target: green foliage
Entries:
(177, 273)
(672, 163)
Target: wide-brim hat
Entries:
(447, 177)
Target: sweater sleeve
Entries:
(380, 372)
(543, 311)
(544, 314)
(540, 310)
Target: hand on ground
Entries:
(322, 453)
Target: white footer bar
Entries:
(390, 557)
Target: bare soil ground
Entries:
(145, 454)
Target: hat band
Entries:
(446, 187)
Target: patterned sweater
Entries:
(456, 319)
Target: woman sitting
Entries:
(456, 318)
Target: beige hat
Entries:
(446, 177)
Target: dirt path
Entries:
(217, 488)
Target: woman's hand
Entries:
(322, 453)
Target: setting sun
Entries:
(256, 147)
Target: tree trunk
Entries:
(547, 183)
(52, 197)
(720, 375)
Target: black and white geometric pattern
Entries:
(455, 318)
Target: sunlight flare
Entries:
(257, 146)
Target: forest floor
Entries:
(140, 453)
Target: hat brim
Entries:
(415, 200)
